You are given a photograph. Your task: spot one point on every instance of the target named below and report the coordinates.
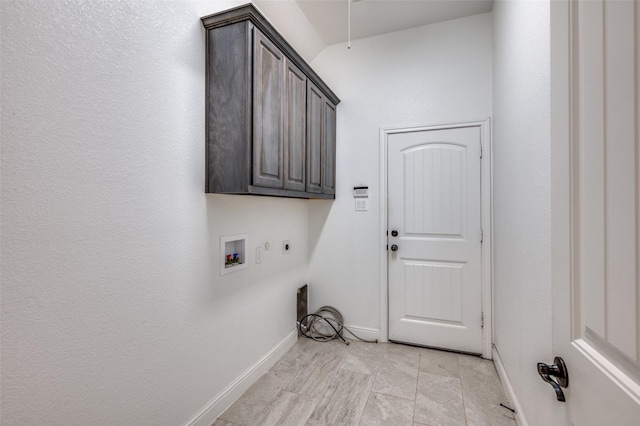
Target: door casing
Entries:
(486, 220)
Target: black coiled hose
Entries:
(310, 326)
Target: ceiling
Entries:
(375, 17)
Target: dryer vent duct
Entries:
(302, 305)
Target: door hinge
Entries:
(481, 319)
(480, 150)
(481, 235)
(387, 247)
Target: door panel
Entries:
(315, 105)
(268, 113)
(596, 270)
(329, 142)
(432, 290)
(434, 179)
(296, 129)
(434, 204)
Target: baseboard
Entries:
(362, 332)
(210, 412)
(508, 388)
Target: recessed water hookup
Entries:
(233, 251)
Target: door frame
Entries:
(486, 173)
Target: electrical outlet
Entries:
(286, 247)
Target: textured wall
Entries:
(113, 309)
(435, 74)
(521, 137)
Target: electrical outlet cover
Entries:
(361, 205)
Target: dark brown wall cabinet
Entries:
(271, 121)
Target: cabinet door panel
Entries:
(329, 148)
(295, 127)
(315, 102)
(229, 110)
(268, 123)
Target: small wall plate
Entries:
(361, 205)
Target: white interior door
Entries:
(596, 208)
(434, 261)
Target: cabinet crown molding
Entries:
(249, 12)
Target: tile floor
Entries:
(372, 384)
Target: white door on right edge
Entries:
(434, 261)
(595, 189)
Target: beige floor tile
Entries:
(387, 410)
(362, 357)
(409, 352)
(288, 409)
(398, 373)
(344, 400)
(483, 393)
(439, 362)
(298, 356)
(314, 378)
(247, 409)
(372, 384)
(439, 401)
(220, 422)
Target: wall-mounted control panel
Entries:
(360, 191)
(361, 196)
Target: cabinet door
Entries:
(294, 127)
(268, 106)
(329, 148)
(315, 105)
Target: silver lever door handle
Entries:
(559, 371)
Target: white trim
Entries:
(486, 186)
(487, 221)
(609, 369)
(384, 277)
(508, 389)
(210, 412)
(362, 332)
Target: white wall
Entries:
(113, 309)
(435, 74)
(521, 137)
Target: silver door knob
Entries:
(556, 375)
